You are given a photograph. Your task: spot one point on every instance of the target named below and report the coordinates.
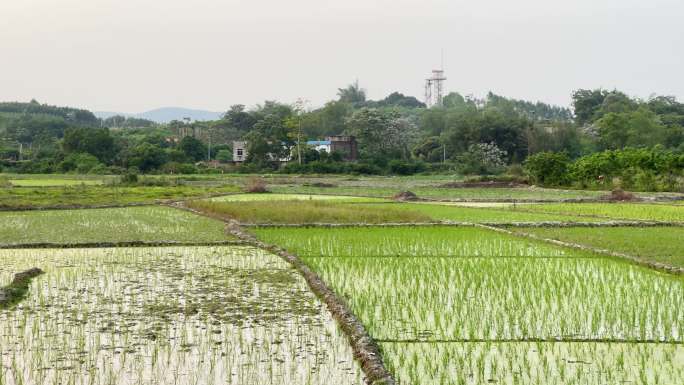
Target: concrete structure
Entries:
(239, 151)
(345, 145)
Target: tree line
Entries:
(396, 134)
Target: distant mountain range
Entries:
(165, 114)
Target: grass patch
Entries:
(17, 290)
(657, 244)
(145, 223)
(306, 212)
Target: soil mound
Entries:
(619, 195)
(256, 185)
(406, 196)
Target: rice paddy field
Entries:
(175, 315)
(453, 305)
(627, 211)
(446, 304)
(309, 209)
(143, 223)
(293, 197)
(658, 244)
(298, 211)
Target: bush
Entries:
(130, 177)
(548, 168)
(256, 185)
(401, 167)
(5, 182)
(224, 156)
(482, 158)
(82, 163)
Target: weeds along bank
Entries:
(465, 305)
(182, 315)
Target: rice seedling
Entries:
(455, 299)
(659, 244)
(556, 363)
(626, 211)
(145, 223)
(469, 306)
(174, 315)
(436, 241)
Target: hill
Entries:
(166, 114)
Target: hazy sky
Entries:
(135, 55)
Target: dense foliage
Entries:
(396, 135)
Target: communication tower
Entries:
(434, 88)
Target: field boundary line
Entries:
(94, 245)
(528, 340)
(469, 224)
(366, 351)
(631, 258)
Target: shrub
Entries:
(256, 185)
(548, 168)
(401, 167)
(482, 158)
(5, 182)
(130, 177)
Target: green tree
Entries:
(586, 103)
(548, 168)
(352, 94)
(95, 141)
(193, 148)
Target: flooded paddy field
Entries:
(459, 305)
(168, 315)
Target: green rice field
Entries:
(446, 303)
(626, 211)
(466, 305)
(143, 223)
(658, 244)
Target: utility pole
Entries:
(209, 147)
(300, 107)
